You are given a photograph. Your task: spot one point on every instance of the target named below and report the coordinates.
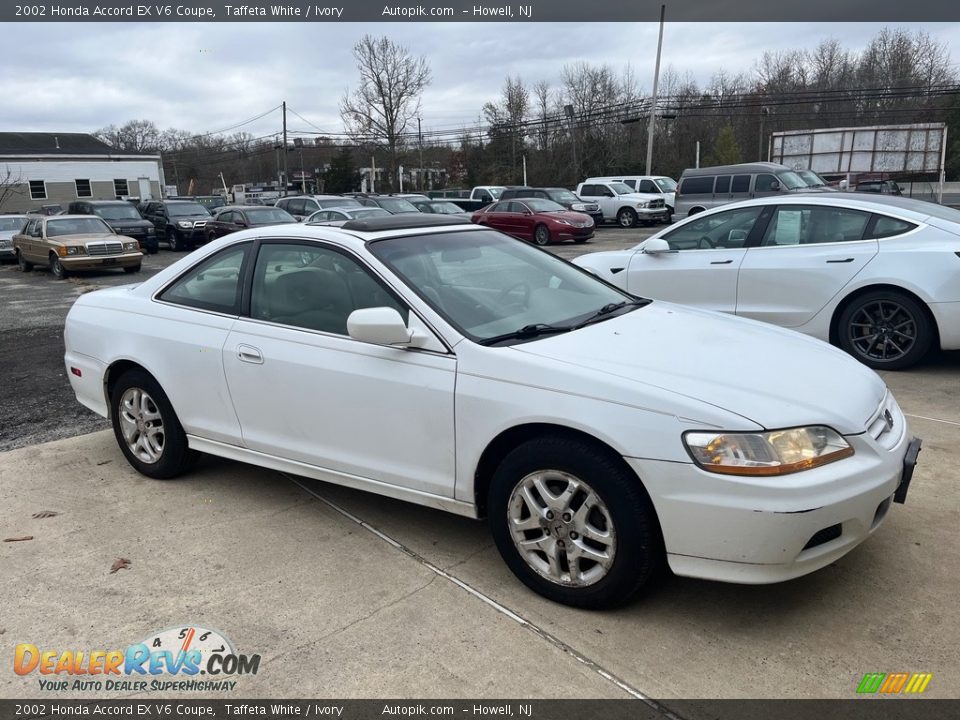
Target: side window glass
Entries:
(214, 285)
(314, 288)
(766, 183)
(697, 185)
(885, 227)
(808, 225)
(646, 186)
(723, 184)
(740, 184)
(728, 229)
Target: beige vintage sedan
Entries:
(68, 243)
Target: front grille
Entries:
(655, 204)
(199, 224)
(104, 248)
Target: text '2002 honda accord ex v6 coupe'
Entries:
(446, 364)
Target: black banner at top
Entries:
(336, 11)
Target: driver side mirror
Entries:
(775, 186)
(657, 246)
(381, 326)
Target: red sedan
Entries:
(535, 219)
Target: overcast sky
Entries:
(79, 77)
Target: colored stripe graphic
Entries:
(893, 683)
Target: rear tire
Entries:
(573, 523)
(22, 263)
(146, 427)
(885, 330)
(132, 269)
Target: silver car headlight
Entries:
(131, 245)
(151, 231)
(75, 250)
(777, 452)
(643, 205)
(579, 207)
(185, 224)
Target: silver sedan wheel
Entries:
(141, 425)
(561, 528)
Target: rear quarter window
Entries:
(697, 186)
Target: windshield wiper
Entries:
(605, 312)
(526, 332)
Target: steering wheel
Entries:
(503, 294)
(704, 240)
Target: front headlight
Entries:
(562, 221)
(643, 205)
(131, 245)
(185, 224)
(151, 231)
(579, 207)
(74, 250)
(777, 452)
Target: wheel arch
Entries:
(114, 372)
(513, 437)
(861, 291)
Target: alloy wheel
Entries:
(141, 425)
(882, 330)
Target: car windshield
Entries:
(791, 180)
(811, 178)
(77, 226)
(564, 196)
(126, 211)
(620, 188)
(444, 208)
(496, 192)
(667, 185)
(339, 203)
(540, 205)
(269, 216)
(184, 209)
(487, 284)
(14, 223)
(397, 205)
(365, 212)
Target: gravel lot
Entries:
(36, 402)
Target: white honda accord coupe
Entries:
(879, 276)
(446, 364)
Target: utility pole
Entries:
(764, 111)
(568, 109)
(651, 123)
(420, 171)
(285, 175)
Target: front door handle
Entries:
(845, 260)
(720, 262)
(250, 354)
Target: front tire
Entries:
(132, 269)
(146, 427)
(573, 523)
(885, 330)
(56, 268)
(174, 240)
(626, 218)
(541, 235)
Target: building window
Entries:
(38, 190)
(120, 188)
(83, 188)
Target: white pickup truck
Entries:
(622, 204)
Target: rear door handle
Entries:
(720, 262)
(845, 260)
(250, 354)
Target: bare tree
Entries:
(388, 96)
(11, 185)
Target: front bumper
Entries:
(6, 252)
(88, 262)
(765, 530)
(653, 215)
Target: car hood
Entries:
(573, 216)
(8, 234)
(129, 223)
(774, 377)
(85, 238)
(640, 197)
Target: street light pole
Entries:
(651, 123)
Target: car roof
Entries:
(733, 169)
(917, 210)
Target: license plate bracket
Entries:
(909, 463)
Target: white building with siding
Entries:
(39, 169)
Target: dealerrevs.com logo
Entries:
(182, 658)
(894, 683)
